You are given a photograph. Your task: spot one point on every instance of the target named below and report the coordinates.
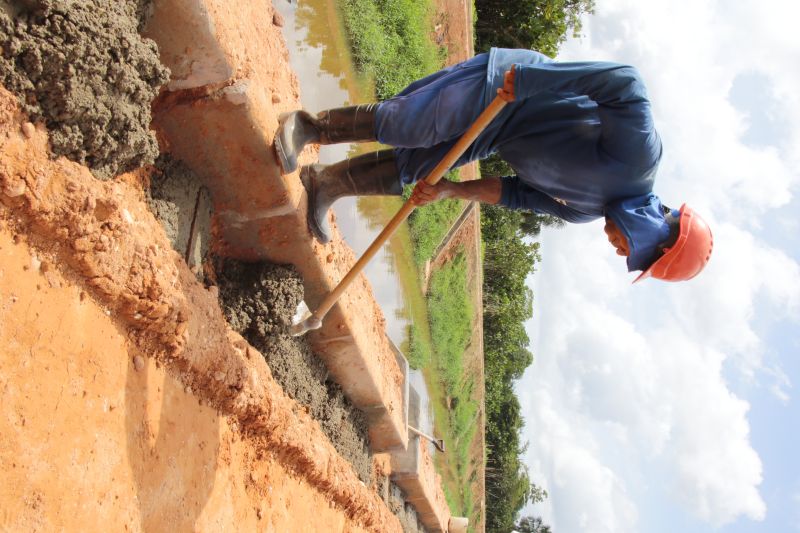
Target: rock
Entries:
(276, 99)
(277, 19)
(219, 376)
(14, 188)
(138, 363)
(28, 130)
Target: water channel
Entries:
(319, 55)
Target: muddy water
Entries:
(319, 55)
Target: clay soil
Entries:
(151, 458)
(91, 298)
(126, 399)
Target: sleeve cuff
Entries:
(509, 192)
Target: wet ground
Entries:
(259, 300)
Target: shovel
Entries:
(304, 320)
(437, 443)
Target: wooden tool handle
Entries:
(436, 174)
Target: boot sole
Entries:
(307, 182)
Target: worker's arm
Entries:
(486, 190)
(510, 192)
(516, 194)
(627, 130)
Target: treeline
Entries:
(509, 258)
(540, 25)
(508, 303)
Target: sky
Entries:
(674, 407)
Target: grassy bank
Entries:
(391, 45)
(429, 224)
(450, 317)
(390, 41)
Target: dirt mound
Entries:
(259, 300)
(83, 68)
(395, 499)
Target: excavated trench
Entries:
(258, 300)
(83, 70)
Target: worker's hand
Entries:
(507, 91)
(424, 194)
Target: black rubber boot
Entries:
(343, 124)
(372, 174)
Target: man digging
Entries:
(580, 137)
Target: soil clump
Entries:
(393, 497)
(83, 69)
(259, 300)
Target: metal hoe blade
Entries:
(303, 320)
(438, 443)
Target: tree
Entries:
(508, 259)
(532, 223)
(531, 524)
(534, 24)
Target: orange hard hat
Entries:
(690, 253)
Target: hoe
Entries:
(304, 320)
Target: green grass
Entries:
(450, 312)
(429, 224)
(419, 349)
(451, 315)
(391, 42)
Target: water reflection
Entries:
(417, 380)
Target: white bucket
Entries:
(457, 524)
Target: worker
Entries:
(579, 136)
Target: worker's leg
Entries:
(373, 174)
(435, 112)
(344, 124)
(414, 164)
(432, 110)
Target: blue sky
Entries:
(672, 407)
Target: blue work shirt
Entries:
(579, 136)
(582, 133)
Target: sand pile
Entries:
(83, 69)
(259, 301)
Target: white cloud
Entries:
(628, 389)
(690, 63)
(627, 392)
(796, 518)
